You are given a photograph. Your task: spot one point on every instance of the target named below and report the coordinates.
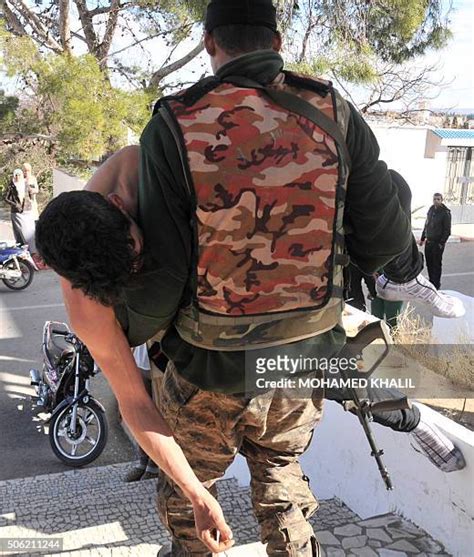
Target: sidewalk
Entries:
(465, 232)
(459, 232)
(95, 513)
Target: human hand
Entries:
(211, 526)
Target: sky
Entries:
(454, 63)
(455, 66)
(456, 60)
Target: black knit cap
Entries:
(246, 12)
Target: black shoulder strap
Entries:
(306, 82)
(300, 106)
(192, 95)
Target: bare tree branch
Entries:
(167, 70)
(106, 9)
(409, 85)
(37, 26)
(136, 43)
(12, 20)
(12, 136)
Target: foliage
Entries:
(401, 29)
(86, 114)
(8, 108)
(71, 101)
(355, 36)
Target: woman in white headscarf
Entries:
(20, 199)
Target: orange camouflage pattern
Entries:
(266, 183)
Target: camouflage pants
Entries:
(271, 430)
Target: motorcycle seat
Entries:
(5, 244)
(58, 349)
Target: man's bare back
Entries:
(119, 175)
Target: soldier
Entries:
(233, 244)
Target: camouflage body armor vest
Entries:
(267, 186)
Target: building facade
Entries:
(432, 160)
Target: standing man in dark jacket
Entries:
(436, 232)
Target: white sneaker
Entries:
(437, 447)
(420, 290)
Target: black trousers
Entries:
(354, 294)
(434, 262)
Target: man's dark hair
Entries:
(87, 240)
(438, 195)
(239, 39)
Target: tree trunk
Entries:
(65, 25)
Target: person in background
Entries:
(146, 469)
(435, 234)
(354, 294)
(33, 188)
(19, 198)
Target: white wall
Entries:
(403, 149)
(440, 503)
(62, 181)
(339, 464)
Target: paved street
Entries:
(25, 447)
(458, 268)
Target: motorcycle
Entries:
(16, 266)
(78, 426)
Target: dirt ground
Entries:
(460, 410)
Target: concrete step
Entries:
(97, 514)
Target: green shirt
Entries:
(379, 231)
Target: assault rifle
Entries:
(363, 407)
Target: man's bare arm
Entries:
(97, 327)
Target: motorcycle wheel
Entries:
(27, 272)
(90, 439)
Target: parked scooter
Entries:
(16, 265)
(77, 425)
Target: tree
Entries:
(369, 43)
(8, 108)
(66, 26)
(70, 101)
(389, 30)
(318, 33)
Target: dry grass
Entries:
(414, 336)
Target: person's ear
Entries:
(209, 44)
(116, 200)
(276, 43)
